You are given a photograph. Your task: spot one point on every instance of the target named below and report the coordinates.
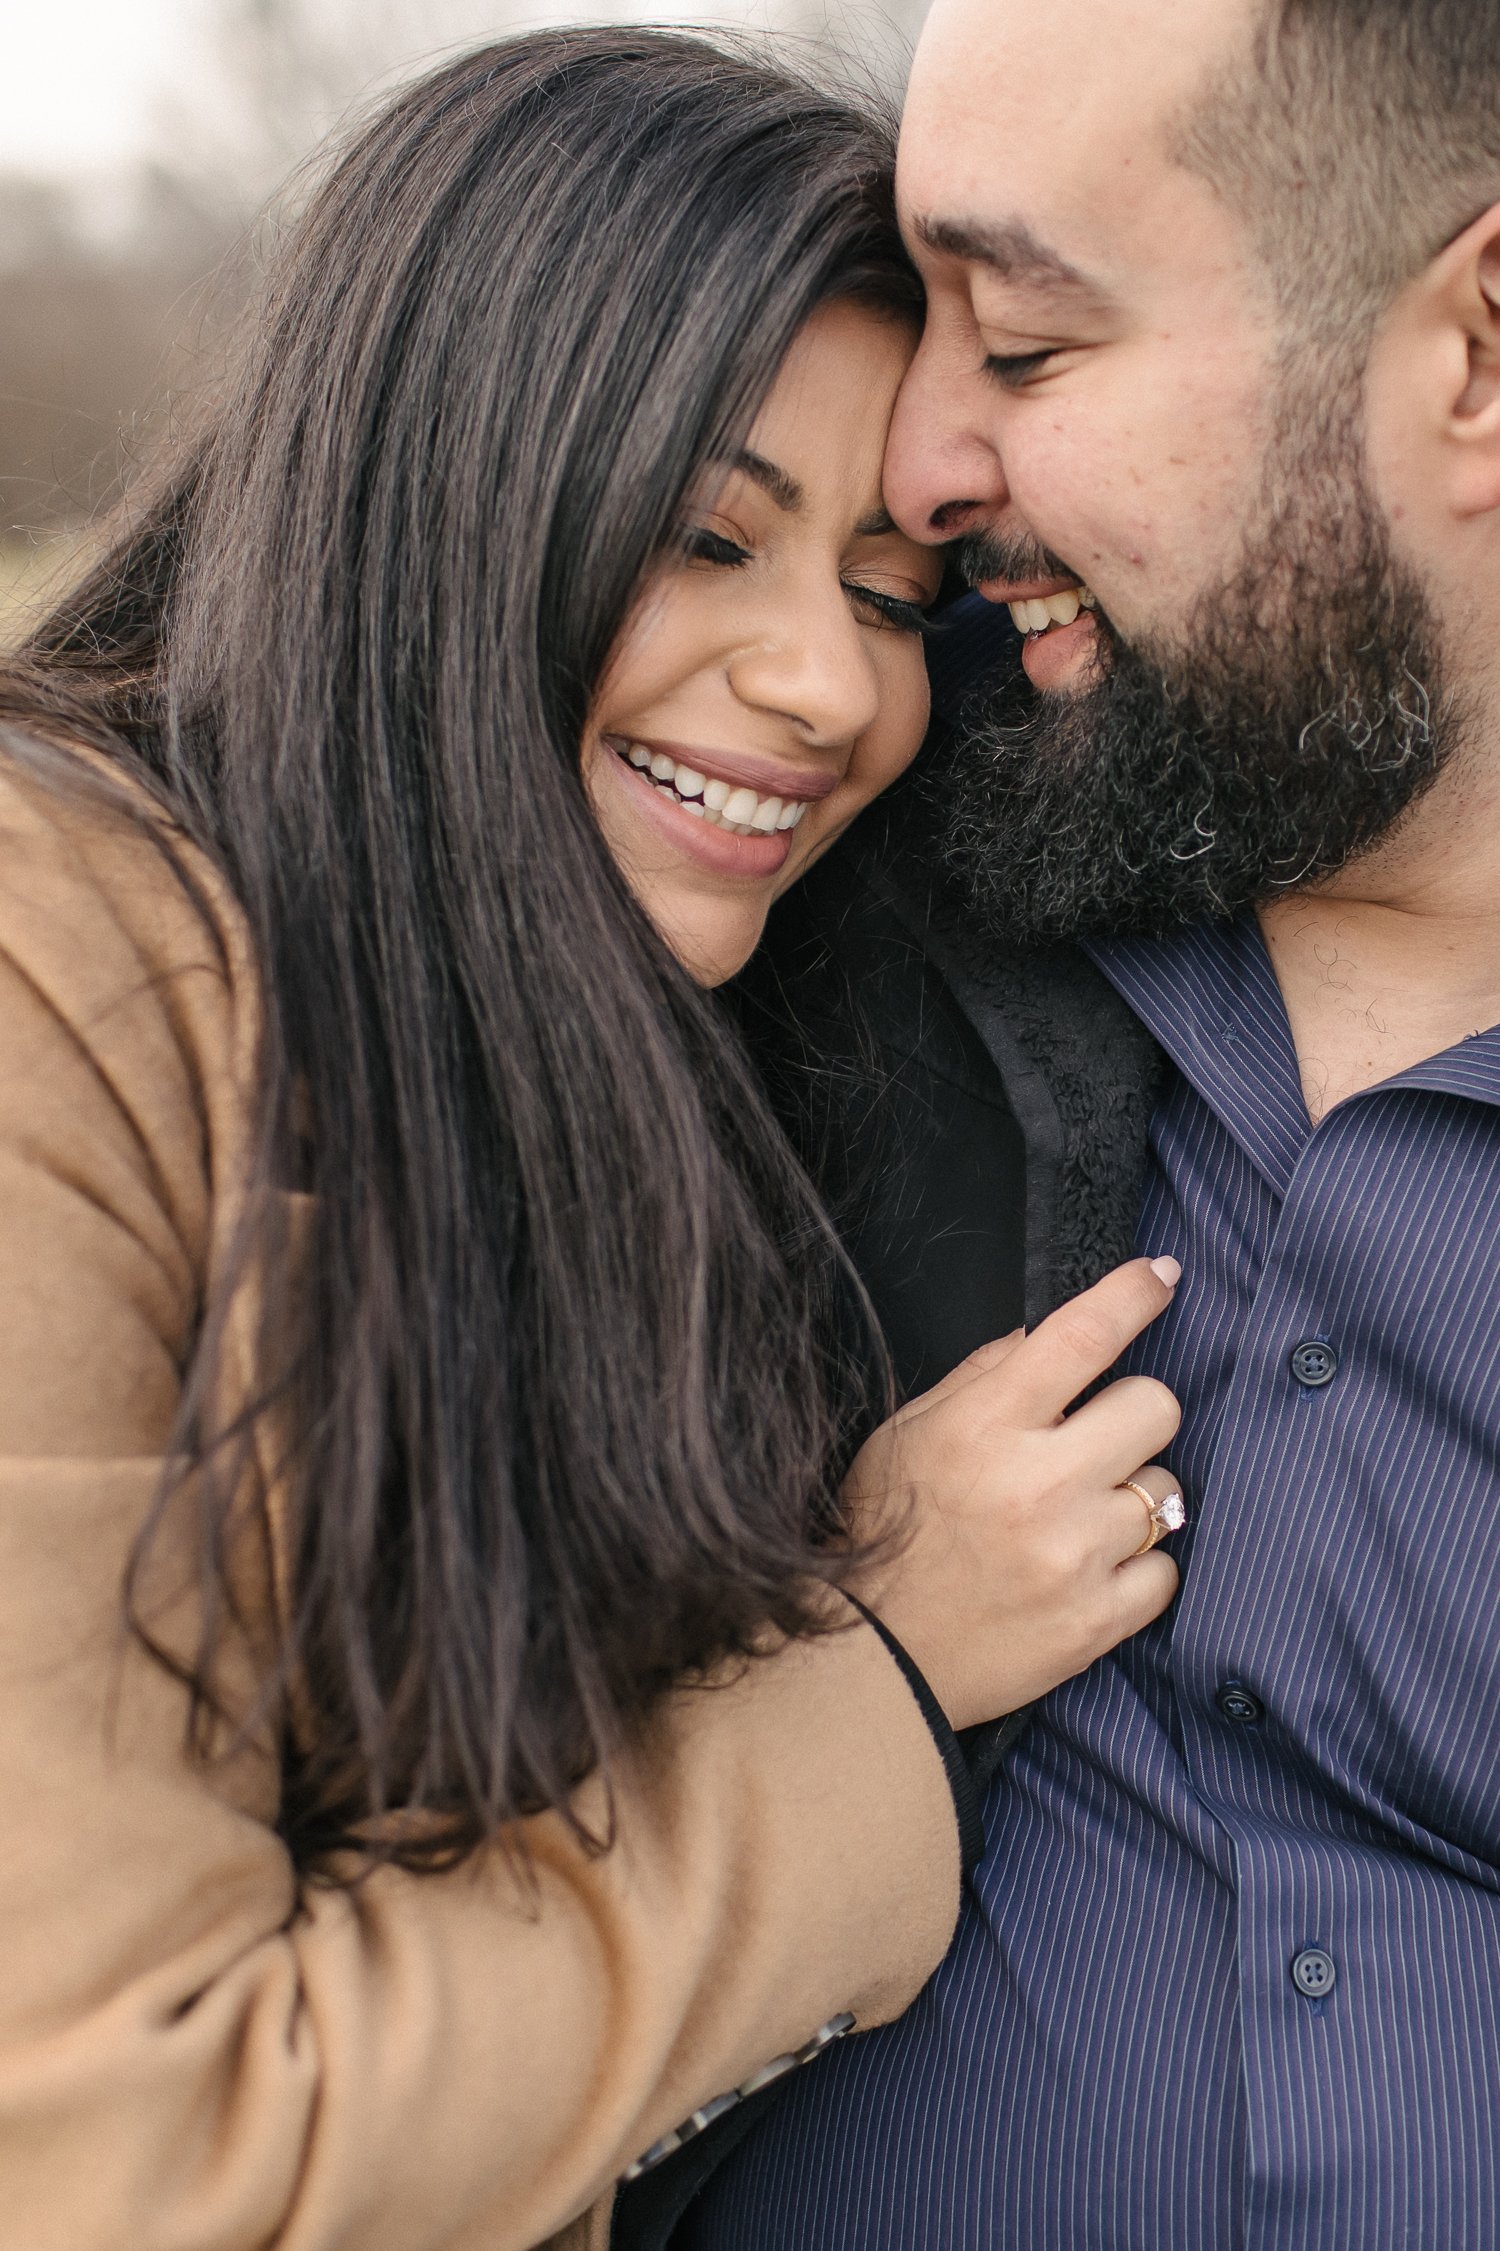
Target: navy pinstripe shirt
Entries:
(1230, 1974)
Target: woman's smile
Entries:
(723, 837)
(733, 813)
(771, 680)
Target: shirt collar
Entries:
(1210, 997)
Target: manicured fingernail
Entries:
(1167, 1270)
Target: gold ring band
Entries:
(1162, 1516)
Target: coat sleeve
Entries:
(198, 2053)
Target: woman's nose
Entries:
(811, 665)
(942, 469)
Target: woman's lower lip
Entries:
(750, 858)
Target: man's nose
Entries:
(943, 476)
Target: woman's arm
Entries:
(195, 2050)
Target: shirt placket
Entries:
(1330, 1958)
(1223, 1658)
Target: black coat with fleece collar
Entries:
(976, 1116)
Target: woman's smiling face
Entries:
(770, 682)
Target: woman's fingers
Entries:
(1080, 1342)
(1129, 1518)
(984, 1362)
(1143, 1590)
(1123, 1426)
(1017, 1562)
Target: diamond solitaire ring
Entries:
(1163, 1516)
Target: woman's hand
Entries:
(1017, 1561)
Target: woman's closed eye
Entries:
(899, 610)
(878, 605)
(704, 546)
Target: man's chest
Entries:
(1336, 1347)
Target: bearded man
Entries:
(1192, 938)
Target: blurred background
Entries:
(141, 145)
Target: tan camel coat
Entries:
(197, 2053)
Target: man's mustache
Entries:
(1013, 557)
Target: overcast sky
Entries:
(84, 78)
(90, 84)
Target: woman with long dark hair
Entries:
(439, 1757)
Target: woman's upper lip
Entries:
(768, 777)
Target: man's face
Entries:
(1094, 377)
(1237, 681)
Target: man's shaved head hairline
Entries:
(1354, 138)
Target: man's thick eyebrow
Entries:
(784, 490)
(1009, 248)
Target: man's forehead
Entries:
(1009, 108)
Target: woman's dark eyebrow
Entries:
(784, 490)
(789, 495)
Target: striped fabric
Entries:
(1230, 1974)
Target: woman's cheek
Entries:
(897, 735)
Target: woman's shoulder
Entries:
(98, 884)
(125, 966)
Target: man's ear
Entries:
(1468, 302)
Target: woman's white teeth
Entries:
(742, 811)
(1039, 616)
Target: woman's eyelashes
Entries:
(705, 546)
(888, 609)
(908, 615)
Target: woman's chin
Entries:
(712, 939)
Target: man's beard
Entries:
(1300, 716)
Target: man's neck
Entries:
(1400, 958)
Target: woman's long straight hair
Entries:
(567, 1392)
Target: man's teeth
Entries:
(1052, 609)
(740, 811)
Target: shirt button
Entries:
(1314, 1972)
(1238, 1704)
(1314, 1363)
